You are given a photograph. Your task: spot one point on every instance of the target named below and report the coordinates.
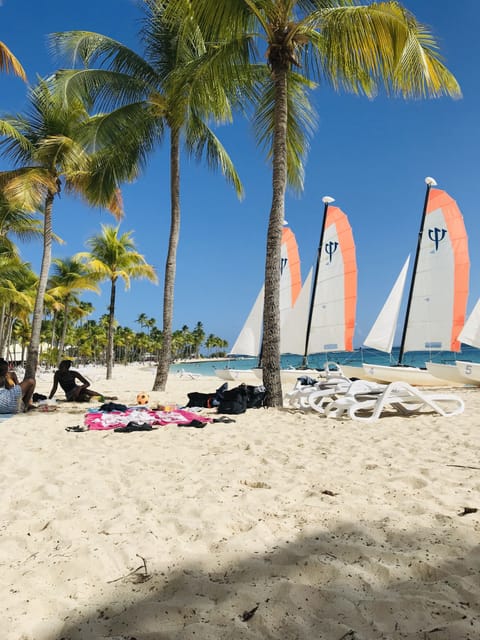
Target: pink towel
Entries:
(102, 420)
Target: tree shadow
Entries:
(349, 583)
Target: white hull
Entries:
(359, 372)
(412, 375)
(290, 376)
(237, 375)
(448, 372)
(470, 370)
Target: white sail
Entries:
(440, 292)
(249, 339)
(293, 330)
(383, 331)
(333, 310)
(470, 334)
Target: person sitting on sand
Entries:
(12, 391)
(66, 379)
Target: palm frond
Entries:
(9, 63)
(202, 142)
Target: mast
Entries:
(327, 200)
(430, 182)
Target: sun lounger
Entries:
(311, 396)
(368, 406)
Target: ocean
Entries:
(317, 361)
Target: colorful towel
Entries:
(100, 420)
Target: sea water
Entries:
(353, 358)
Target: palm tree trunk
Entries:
(54, 320)
(171, 264)
(111, 319)
(271, 311)
(2, 329)
(61, 346)
(34, 346)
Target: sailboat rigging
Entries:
(438, 290)
(323, 320)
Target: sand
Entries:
(282, 525)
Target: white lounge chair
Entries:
(311, 396)
(367, 406)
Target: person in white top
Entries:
(12, 391)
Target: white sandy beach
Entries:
(320, 529)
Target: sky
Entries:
(372, 156)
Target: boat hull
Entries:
(449, 372)
(470, 370)
(359, 372)
(237, 375)
(412, 375)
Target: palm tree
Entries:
(9, 63)
(16, 222)
(113, 256)
(152, 98)
(17, 293)
(47, 146)
(337, 42)
(68, 279)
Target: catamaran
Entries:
(323, 319)
(438, 293)
(249, 340)
(463, 372)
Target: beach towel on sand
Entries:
(97, 421)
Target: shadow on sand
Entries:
(347, 583)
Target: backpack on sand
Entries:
(234, 401)
(209, 400)
(255, 396)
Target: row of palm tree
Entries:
(87, 340)
(201, 62)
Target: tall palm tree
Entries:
(113, 256)
(358, 48)
(151, 98)
(9, 63)
(49, 150)
(68, 279)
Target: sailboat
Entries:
(470, 334)
(249, 340)
(323, 319)
(438, 291)
(382, 333)
(462, 372)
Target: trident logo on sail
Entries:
(330, 249)
(283, 264)
(436, 235)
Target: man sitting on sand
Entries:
(73, 391)
(12, 391)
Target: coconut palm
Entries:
(68, 279)
(9, 63)
(17, 293)
(16, 222)
(113, 256)
(49, 150)
(152, 99)
(358, 48)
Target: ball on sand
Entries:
(142, 398)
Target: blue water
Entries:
(357, 357)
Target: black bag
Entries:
(209, 400)
(255, 396)
(234, 401)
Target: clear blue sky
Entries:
(371, 156)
